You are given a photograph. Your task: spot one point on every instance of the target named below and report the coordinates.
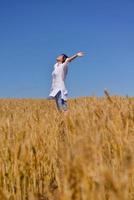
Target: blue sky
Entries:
(34, 32)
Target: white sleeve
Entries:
(65, 64)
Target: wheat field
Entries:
(87, 154)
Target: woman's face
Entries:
(60, 58)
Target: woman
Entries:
(58, 89)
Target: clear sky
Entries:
(34, 32)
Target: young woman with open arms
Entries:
(58, 88)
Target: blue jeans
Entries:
(61, 103)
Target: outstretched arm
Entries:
(79, 54)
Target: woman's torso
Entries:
(59, 75)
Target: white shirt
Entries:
(58, 80)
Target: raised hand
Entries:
(80, 54)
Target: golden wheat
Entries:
(85, 155)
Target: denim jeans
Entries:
(61, 103)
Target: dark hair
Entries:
(64, 57)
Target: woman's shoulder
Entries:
(55, 65)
